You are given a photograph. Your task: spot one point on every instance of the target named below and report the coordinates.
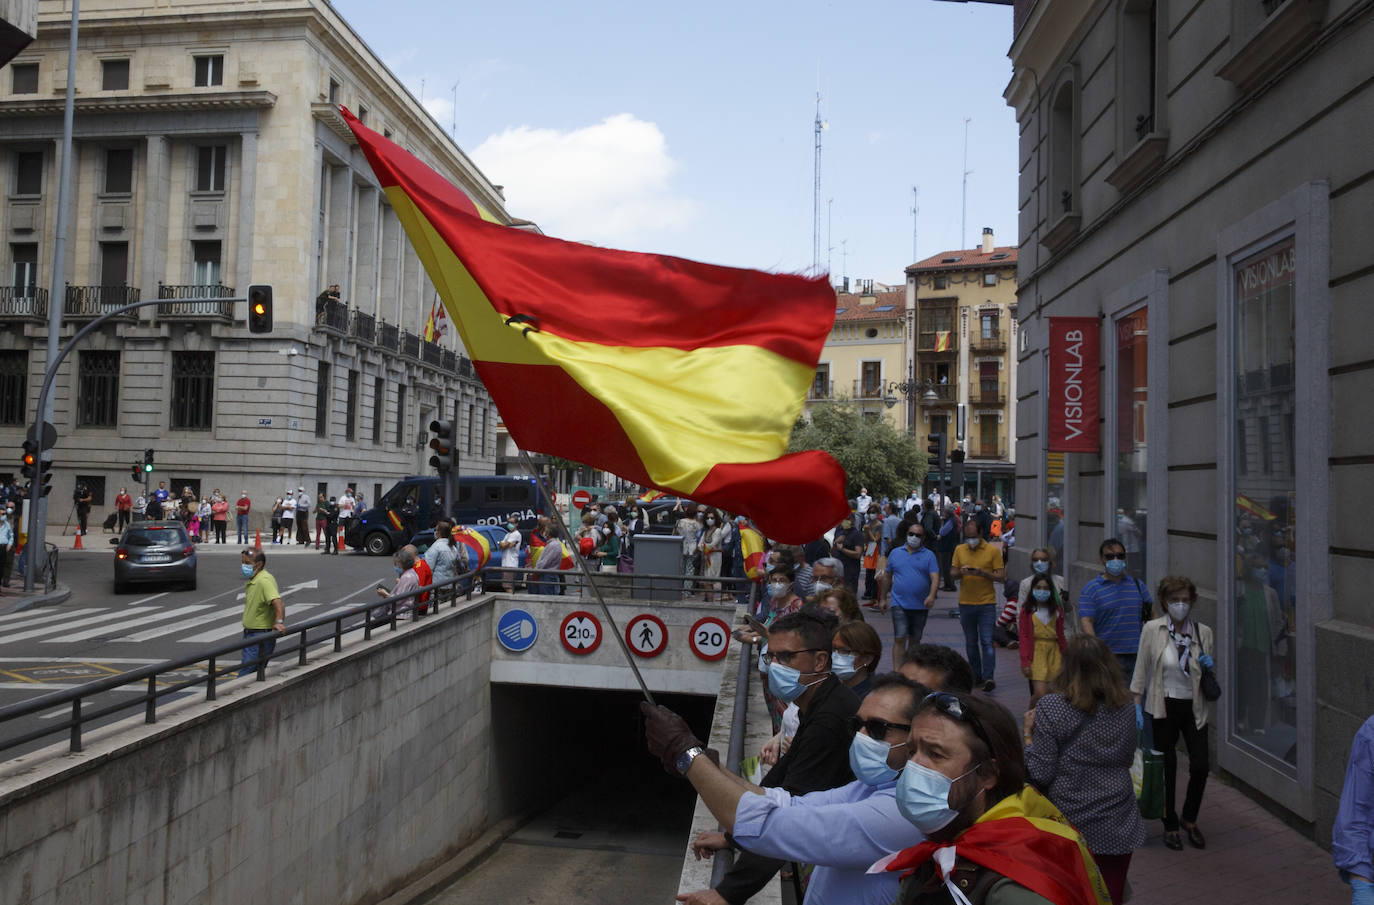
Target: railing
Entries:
(388, 336)
(822, 389)
(927, 342)
(410, 345)
(193, 301)
(449, 361)
(992, 343)
(464, 368)
(982, 395)
(943, 392)
(28, 303)
(865, 389)
(92, 301)
(987, 451)
(364, 327)
(332, 315)
(431, 354)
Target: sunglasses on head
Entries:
(951, 706)
(876, 728)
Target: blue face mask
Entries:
(842, 665)
(1041, 595)
(398, 569)
(1116, 566)
(923, 797)
(1040, 566)
(868, 760)
(246, 569)
(785, 682)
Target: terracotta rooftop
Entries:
(967, 259)
(884, 306)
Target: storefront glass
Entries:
(1131, 393)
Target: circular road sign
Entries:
(581, 498)
(580, 632)
(517, 631)
(710, 638)
(646, 635)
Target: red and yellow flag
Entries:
(751, 547)
(395, 520)
(1243, 502)
(1026, 839)
(648, 366)
(942, 341)
(477, 543)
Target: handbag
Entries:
(1147, 775)
(1210, 685)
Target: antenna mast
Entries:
(915, 214)
(453, 129)
(829, 242)
(963, 218)
(816, 195)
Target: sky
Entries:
(689, 129)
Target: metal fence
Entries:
(364, 327)
(332, 315)
(25, 302)
(410, 345)
(388, 336)
(193, 300)
(93, 301)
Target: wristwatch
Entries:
(684, 760)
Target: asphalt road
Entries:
(97, 633)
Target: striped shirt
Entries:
(1114, 609)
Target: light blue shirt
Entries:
(842, 831)
(6, 534)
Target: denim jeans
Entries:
(243, 528)
(250, 654)
(909, 623)
(978, 621)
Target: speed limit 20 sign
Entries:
(710, 638)
(580, 632)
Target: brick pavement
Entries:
(1251, 856)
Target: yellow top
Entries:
(974, 590)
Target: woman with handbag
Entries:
(1174, 684)
(1079, 747)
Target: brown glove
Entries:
(666, 734)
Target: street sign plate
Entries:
(580, 632)
(517, 631)
(646, 635)
(710, 638)
(581, 498)
(49, 434)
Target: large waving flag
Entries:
(681, 376)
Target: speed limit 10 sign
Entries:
(710, 638)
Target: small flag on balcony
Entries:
(942, 341)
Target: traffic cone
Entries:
(78, 540)
(257, 539)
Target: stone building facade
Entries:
(1194, 177)
(209, 155)
(865, 354)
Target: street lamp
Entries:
(908, 388)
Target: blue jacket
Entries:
(1352, 836)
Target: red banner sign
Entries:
(1073, 384)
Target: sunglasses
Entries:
(1111, 556)
(876, 728)
(951, 706)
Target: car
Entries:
(154, 551)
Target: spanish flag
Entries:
(1027, 840)
(650, 496)
(751, 546)
(1246, 504)
(477, 543)
(942, 341)
(650, 367)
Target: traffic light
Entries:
(29, 460)
(956, 469)
(259, 309)
(147, 461)
(935, 451)
(45, 477)
(442, 444)
(136, 473)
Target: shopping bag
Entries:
(1149, 787)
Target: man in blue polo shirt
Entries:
(915, 575)
(1110, 606)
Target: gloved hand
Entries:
(666, 734)
(1139, 718)
(1362, 892)
(1206, 661)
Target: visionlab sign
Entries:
(1073, 384)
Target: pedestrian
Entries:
(857, 654)
(873, 554)
(1080, 741)
(82, 498)
(424, 575)
(914, 574)
(286, 508)
(241, 508)
(158, 504)
(550, 559)
(979, 568)
(689, 530)
(124, 507)
(302, 517)
(442, 556)
(6, 545)
(321, 514)
(407, 582)
(1041, 631)
(1352, 836)
(1042, 563)
(848, 548)
(140, 507)
(1114, 605)
(862, 501)
(346, 504)
(712, 538)
(264, 614)
(1167, 683)
(938, 667)
(843, 605)
(510, 554)
(947, 544)
(331, 527)
(193, 525)
(219, 518)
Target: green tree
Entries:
(874, 453)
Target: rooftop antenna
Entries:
(915, 216)
(821, 125)
(829, 243)
(844, 259)
(963, 220)
(422, 92)
(453, 129)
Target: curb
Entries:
(51, 598)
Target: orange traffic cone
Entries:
(339, 541)
(257, 539)
(78, 540)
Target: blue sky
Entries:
(688, 129)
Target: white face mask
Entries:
(973, 542)
(1179, 609)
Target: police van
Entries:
(414, 504)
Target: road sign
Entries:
(646, 635)
(49, 434)
(517, 631)
(710, 638)
(580, 632)
(581, 498)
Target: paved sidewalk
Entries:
(1251, 856)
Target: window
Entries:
(351, 412)
(28, 173)
(97, 402)
(114, 75)
(193, 390)
(210, 163)
(95, 483)
(25, 257)
(1063, 149)
(333, 91)
(989, 325)
(989, 279)
(870, 379)
(481, 430)
(14, 385)
(401, 414)
(378, 398)
(987, 381)
(987, 437)
(820, 384)
(1139, 70)
(472, 426)
(114, 263)
(205, 258)
(209, 70)
(362, 114)
(941, 282)
(1132, 392)
(119, 171)
(25, 78)
(322, 400)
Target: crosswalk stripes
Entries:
(113, 624)
(21, 621)
(229, 612)
(220, 632)
(54, 628)
(106, 629)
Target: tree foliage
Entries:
(874, 453)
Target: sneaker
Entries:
(989, 685)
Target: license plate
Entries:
(157, 557)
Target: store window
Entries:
(1130, 395)
(1264, 487)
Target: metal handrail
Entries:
(734, 752)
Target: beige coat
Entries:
(1148, 679)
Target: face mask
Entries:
(846, 524)
(785, 682)
(823, 586)
(246, 569)
(779, 588)
(770, 567)
(1116, 566)
(510, 526)
(868, 760)
(923, 797)
(398, 569)
(1178, 610)
(1041, 595)
(973, 542)
(1041, 566)
(977, 508)
(710, 521)
(913, 543)
(842, 665)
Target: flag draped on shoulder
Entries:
(682, 376)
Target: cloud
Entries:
(606, 183)
(441, 108)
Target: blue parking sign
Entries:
(517, 631)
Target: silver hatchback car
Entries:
(154, 551)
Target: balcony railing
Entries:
(331, 315)
(986, 395)
(991, 343)
(431, 354)
(81, 302)
(195, 301)
(364, 327)
(943, 393)
(465, 368)
(928, 342)
(449, 361)
(410, 345)
(868, 389)
(27, 303)
(821, 389)
(980, 450)
(388, 336)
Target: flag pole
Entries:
(565, 534)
